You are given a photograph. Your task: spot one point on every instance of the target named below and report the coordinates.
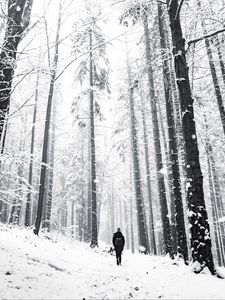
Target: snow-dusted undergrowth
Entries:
(58, 268)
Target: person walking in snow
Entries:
(118, 243)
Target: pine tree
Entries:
(93, 75)
(173, 144)
(198, 218)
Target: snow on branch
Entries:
(205, 36)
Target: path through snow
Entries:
(37, 268)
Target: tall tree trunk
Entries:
(213, 70)
(148, 176)
(94, 230)
(3, 135)
(218, 46)
(199, 226)
(217, 201)
(126, 226)
(89, 214)
(170, 184)
(30, 176)
(178, 120)
(216, 226)
(131, 212)
(99, 206)
(219, 52)
(112, 208)
(19, 12)
(142, 234)
(50, 177)
(157, 145)
(137, 178)
(73, 219)
(173, 147)
(47, 126)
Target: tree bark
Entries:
(72, 218)
(199, 226)
(217, 202)
(126, 226)
(173, 145)
(216, 226)
(94, 230)
(30, 176)
(131, 213)
(148, 176)
(219, 52)
(157, 145)
(142, 234)
(19, 12)
(50, 177)
(47, 126)
(213, 70)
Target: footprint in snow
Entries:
(130, 295)
(8, 273)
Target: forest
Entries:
(112, 115)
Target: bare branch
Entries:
(179, 9)
(205, 36)
(22, 105)
(161, 1)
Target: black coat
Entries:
(115, 236)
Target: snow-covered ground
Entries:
(39, 268)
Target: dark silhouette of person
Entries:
(118, 243)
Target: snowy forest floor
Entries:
(58, 268)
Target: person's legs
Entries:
(117, 257)
(120, 258)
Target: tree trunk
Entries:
(19, 12)
(217, 202)
(126, 225)
(99, 213)
(216, 226)
(148, 175)
(199, 226)
(89, 214)
(213, 70)
(173, 147)
(94, 230)
(112, 208)
(218, 46)
(142, 234)
(157, 145)
(219, 52)
(72, 219)
(170, 184)
(131, 213)
(30, 176)
(50, 177)
(46, 132)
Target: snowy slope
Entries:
(38, 268)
